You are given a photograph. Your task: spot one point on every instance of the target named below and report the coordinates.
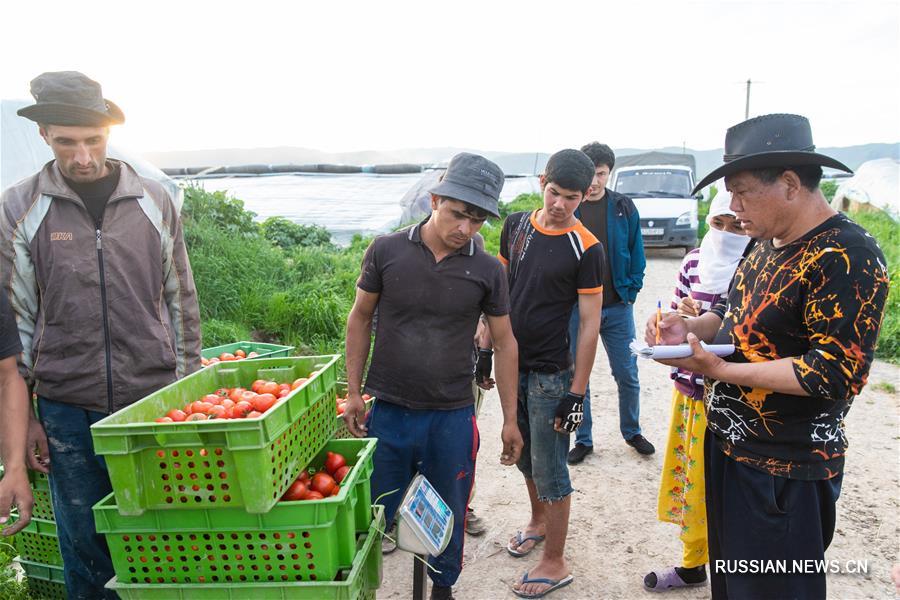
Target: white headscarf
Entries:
(720, 251)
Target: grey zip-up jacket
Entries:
(105, 316)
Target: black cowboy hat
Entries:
(70, 98)
(769, 141)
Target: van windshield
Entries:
(646, 183)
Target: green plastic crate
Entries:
(264, 350)
(40, 488)
(357, 581)
(295, 541)
(45, 582)
(245, 463)
(39, 543)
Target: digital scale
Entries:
(424, 527)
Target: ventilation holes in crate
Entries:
(195, 475)
(230, 557)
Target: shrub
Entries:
(288, 235)
(226, 213)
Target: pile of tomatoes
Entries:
(228, 356)
(319, 484)
(234, 403)
(342, 403)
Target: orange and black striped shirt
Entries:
(547, 270)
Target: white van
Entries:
(661, 191)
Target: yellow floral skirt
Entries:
(682, 493)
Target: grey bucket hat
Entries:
(70, 98)
(473, 179)
(777, 140)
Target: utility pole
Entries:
(747, 105)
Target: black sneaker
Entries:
(641, 444)
(578, 453)
(439, 592)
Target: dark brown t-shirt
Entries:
(427, 315)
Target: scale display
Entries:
(426, 522)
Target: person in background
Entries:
(614, 221)
(430, 285)
(93, 259)
(15, 490)
(702, 281)
(803, 313)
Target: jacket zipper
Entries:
(109, 387)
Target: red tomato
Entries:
(269, 387)
(241, 409)
(253, 414)
(165, 420)
(203, 362)
(336, 490)
(257, 384)
(253, 355)
(213, 361)
(248, 396)
(366, 397)
(212, 398)
(304, 476)
(235, 394)
(197, 417)
(334, 461)
(228, 403)
(322, 483)
(341, 473)
(176, 415)
(297, 491)
(223, 392)
(187, 408)
(263, 402)
(298, 382)
(200, 407)
(240, 353)
(217, 412)
(314, 495)
(341, 407)
(225, 356)
(284, 387)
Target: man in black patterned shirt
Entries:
(803, 313)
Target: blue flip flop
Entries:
(554, 584)
(521, 539)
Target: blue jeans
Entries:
(544, 451)
(616, 332)
(78, 480)
(439, 444)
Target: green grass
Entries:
(11, 588)
(267, 283)
(887, 232)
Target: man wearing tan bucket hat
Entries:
(803, 313)
(93, 259)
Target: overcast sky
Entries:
(515, 76)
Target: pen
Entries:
(658, 317)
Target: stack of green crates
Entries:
(38, 544)
(196, 512)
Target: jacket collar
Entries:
(415, 235)
(51, 182)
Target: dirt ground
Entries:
(614, 537)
